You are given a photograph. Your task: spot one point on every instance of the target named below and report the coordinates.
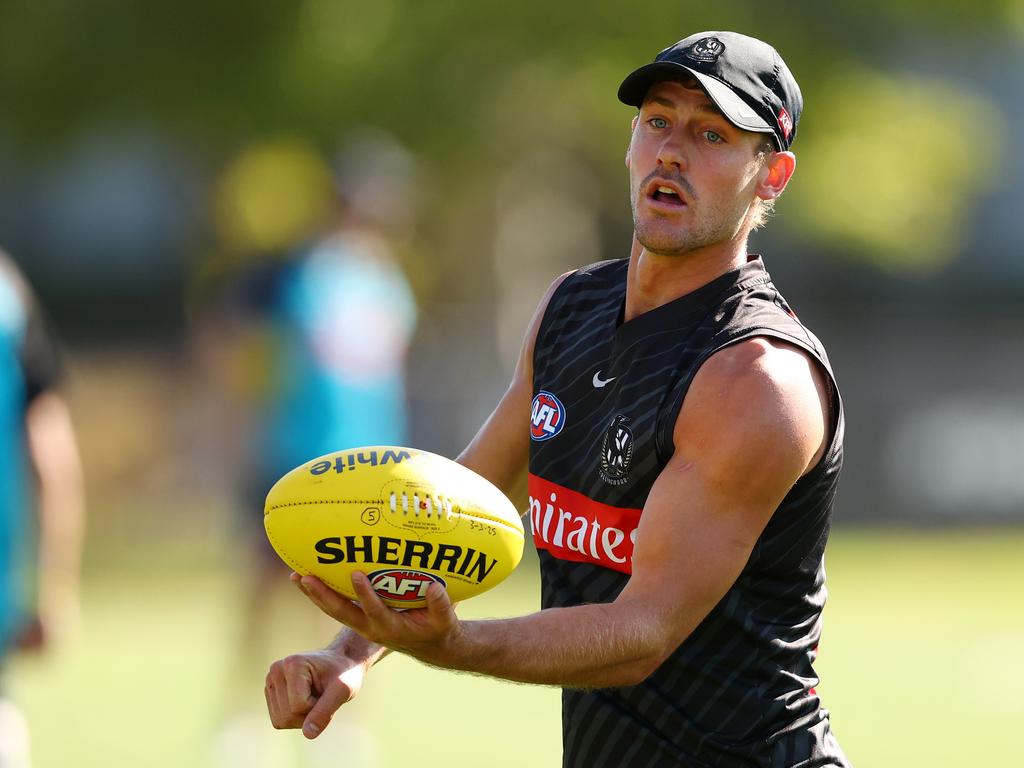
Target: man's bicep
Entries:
(749, 426)
(691, 545)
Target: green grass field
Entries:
(921, 661)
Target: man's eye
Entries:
(714, 138)
(658, 122)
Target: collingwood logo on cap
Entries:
(706, 49)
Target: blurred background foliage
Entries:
(898, 145)
(147, 150)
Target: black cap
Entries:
(746, 78)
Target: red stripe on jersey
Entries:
(574, 527)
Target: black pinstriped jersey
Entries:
(739, 691)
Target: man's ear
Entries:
(775, 175)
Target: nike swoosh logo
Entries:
(599, 382)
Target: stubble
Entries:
(710, 222)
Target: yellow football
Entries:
(404, 517)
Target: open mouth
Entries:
(666, 194)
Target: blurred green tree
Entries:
(473, 85)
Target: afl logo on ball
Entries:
(547, 416)
(706, 49)
(401, 584)
(617, 452)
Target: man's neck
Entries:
(654, 280)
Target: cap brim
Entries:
(634, 89)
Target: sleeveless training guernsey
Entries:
(739, 690)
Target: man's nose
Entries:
(672, 152)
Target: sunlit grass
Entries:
(920, 660)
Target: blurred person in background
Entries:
(41, 496)
(681, 410)
(312, 340)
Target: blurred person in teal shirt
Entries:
(38, 585)
(308, 345)
(315, 337)
(339, 317)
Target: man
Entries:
(701, 430)
(36, 443)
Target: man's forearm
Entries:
(589, 646)
(586, 646)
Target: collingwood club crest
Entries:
(707, 49)
(617, 451)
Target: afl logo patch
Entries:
(706, 49)
(617, 452)
(547, 416)
(401, 584)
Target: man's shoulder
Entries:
(612, 270)
(775, 390)
(600, 277)
(760, 309)
(760, 358)
(577, 290)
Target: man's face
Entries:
(692, 173)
